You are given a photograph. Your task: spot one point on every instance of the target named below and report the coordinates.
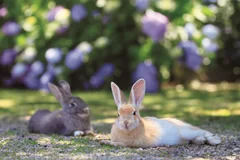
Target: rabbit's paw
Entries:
(213, 140)
(78, 133)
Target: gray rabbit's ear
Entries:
(65, 86)
(55, 91)
(137, 92)
(118, 95)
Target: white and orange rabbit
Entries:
(130, 130)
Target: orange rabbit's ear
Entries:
(118, 95)
(137, 92)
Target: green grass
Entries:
(205, 109)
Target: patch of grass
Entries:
(216, 111)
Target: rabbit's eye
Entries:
(73, 104)
(134, 113)
(118, 114)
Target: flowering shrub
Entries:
(91, 43)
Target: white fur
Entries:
(169, 134)
(174, 132)
(78, 133)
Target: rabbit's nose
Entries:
(126, 123)
(86, 110)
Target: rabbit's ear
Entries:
(118, 95)
(55, 91)
(65, 86)
(137, 92)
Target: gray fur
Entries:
(71, 118)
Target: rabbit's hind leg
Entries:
(199, 136)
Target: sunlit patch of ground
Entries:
(217, 110)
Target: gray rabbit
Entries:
(73, 119)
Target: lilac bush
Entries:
(74, 59)
(190, 57)
(147, 71)
(45, 79)
(31, 81)
(11, 28)
(8, 57)
(211, 31)
(141, 4)
(71, 39)
(37, 68)
(190, 28)
(209, 45)
(154, 24)
(19, 70)
(78, 12)
(98, 78)
(53, 55)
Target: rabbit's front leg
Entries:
(78, 133)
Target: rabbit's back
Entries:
(52, 123)
(34, 125)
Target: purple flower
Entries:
(54, 70)
(190, 57)
(209, 46)
(37, 68)
(154, 25)
(53, 55)
(96, 81)
(141, 4)
(11, 28)
(74, 59)
(62, 29)
(147, 71)
(8, 57)
(78, 12)
(52, 13)
(19, 70)
(44, 79)
(98, 78)
(31, 81)
(190, 28)
(3, 11)
(211, 31)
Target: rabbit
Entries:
(73, 119)
(130, 130)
